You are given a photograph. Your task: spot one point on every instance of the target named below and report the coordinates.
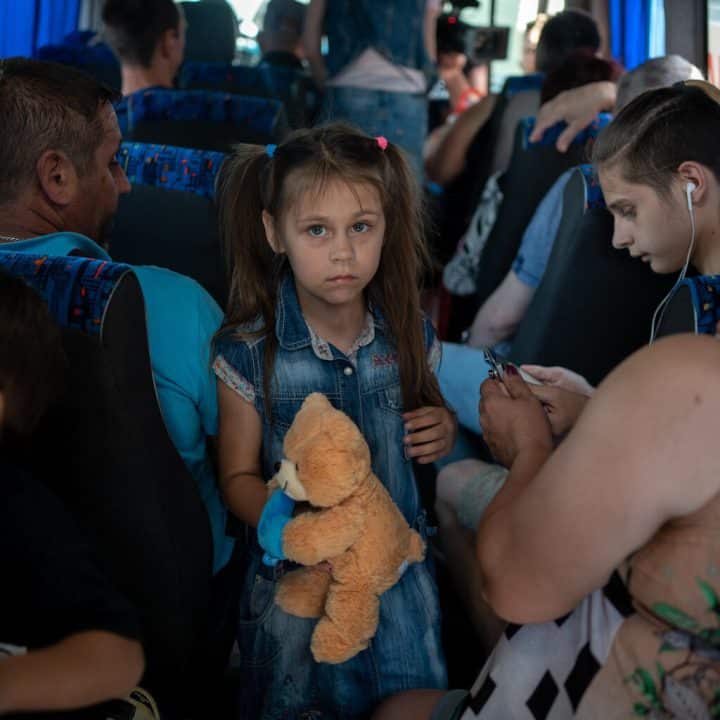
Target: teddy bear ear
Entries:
(316, 401)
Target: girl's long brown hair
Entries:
(251, 181)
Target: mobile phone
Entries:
(498, 365)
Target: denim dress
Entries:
(280, 678)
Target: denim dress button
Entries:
(348, 371)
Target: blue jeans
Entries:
(400, 117)
(281, 680)
(462, 370)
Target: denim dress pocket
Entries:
(258, 639)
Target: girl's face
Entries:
(651, 227)
(333, 241)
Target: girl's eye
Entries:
(627, 213)
(316, 230)
(360, 227)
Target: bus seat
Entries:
(200, 119)
(533, 170)
(594, 305)
(295, 89)
(97, 60)
(693, 307)
(489, 152)
(211, 31)
(169, 218)
(107, 453)
(173, 168)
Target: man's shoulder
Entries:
(168, 292)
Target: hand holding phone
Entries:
(497, 368)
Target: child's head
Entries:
(329, 203)
(31, 360)
(658, 143)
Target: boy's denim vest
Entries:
(394, 29)
(280, 678)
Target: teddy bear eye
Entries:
(297, 467)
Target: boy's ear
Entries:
(57, 177)
(270, 234)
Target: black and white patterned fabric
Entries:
(541, 672)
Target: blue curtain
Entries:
(637, 30)
(26, 25)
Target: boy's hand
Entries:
(430, 433)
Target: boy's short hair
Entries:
(133, 28)
(32, 361)
(562, 35)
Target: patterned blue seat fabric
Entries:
(170, 167)
(76, 289)
(255, 114)
(522, 83)
(96, 60)
(593, 192)
(551, 135)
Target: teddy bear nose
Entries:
(278, 466)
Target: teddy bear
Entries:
(352, 527)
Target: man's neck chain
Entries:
(9, 238)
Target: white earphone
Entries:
(656, 321)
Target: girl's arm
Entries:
(239, 446)
(81, 670)
(312, 38)
(643, 452)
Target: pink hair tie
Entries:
(382, 142)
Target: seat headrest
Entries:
(211, 32)
(522, 83)
(551, 135)
(76, 289)
(593, 192)
(257, 114)
(171, 167)
(97, 60)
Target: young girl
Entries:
(626, 560)
(326, 243)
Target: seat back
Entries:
(594, 304)
(200, 119)
(293, 88)
(97, 60)
(107, 454)
(169, 218)
(533, 170)
(693, 307)
(520, 97)
(211, 32)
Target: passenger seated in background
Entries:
(67, 638)
(60, 183)
(498, 318)
(563, 34)
(281, 37)
(627, 557)
(148, 36)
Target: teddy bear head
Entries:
(326, 458)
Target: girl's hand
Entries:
(512, 419)
(430, 433)
(563, 407)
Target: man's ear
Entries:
(57, 177)
(272, 237)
